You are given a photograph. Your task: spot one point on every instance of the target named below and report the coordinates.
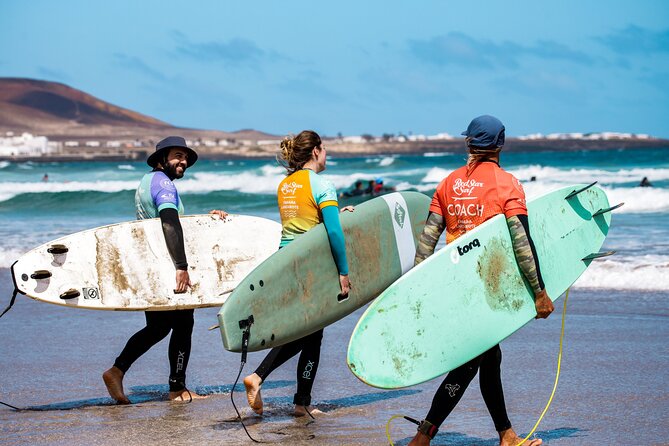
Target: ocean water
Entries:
(614, 361)
(88, 194)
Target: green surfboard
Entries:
(471, 295)
(296, 291)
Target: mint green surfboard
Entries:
(471, 295)
(295, 291)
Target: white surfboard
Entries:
(126, 266)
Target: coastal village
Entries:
(26, 146)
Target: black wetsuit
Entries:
(309, 348)
(160, 323)
(453, 387)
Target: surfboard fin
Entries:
(598, 255)
(70, 294)
(40, 274)
(604, 211)
(57, 249)
(576, 192)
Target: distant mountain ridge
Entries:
(59, 111)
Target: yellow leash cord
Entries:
(557, 374)
(550, 400)
(390, 440)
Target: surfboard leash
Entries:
(14, 293)
(11, 302)
(557, 373)
(246, 334)
(550, 399)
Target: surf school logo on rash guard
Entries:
(465, 187)
(290, 188)
(463, 191)
(167, 184)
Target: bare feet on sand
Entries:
(301, 411)
(185, 395)
(252, 383)
(509, 438)
(113, 379)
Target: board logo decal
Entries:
(91, 293)
(452, 389)
(400, 214)
(462, 250)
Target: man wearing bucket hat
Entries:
(158, 197)
(465, 199)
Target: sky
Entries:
(354, 67)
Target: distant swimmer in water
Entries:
(645, 183)
(533, 178)
(356, 191)
(45, 178)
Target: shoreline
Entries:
(351, 150)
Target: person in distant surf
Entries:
(355, 192)
(305, 200)
(380, 188)
(157, 196)
(489, 191)
(45, 178)
(645, 183)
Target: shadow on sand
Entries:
(460, 439)
(150, 393)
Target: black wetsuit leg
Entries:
(307, 366)
(179, 349)
(490, 380)
(310, 348)
(158, 326)
(451, 390)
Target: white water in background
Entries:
(639, 232)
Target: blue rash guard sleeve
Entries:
(336, 237)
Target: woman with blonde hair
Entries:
(305, 200)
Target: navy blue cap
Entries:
(485, 131)
(168, 143)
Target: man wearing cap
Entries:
(465, 199)
(157, 196)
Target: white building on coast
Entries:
(26, 145)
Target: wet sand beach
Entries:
(613, 388)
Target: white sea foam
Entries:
(4, 164)
(386, 161)
(650, 272)
(9, 256)
(636, 199)
(544, 173)
(125, 167)
(437, 154)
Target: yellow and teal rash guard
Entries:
(305, 200)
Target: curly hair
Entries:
(296, 150)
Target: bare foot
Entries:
(113, 379)
(301, 411)
(420, 439)
(185, 395)
(509, 438)
(252, 383)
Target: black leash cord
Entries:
(11, 303)
(245, 345)
(18, 409)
